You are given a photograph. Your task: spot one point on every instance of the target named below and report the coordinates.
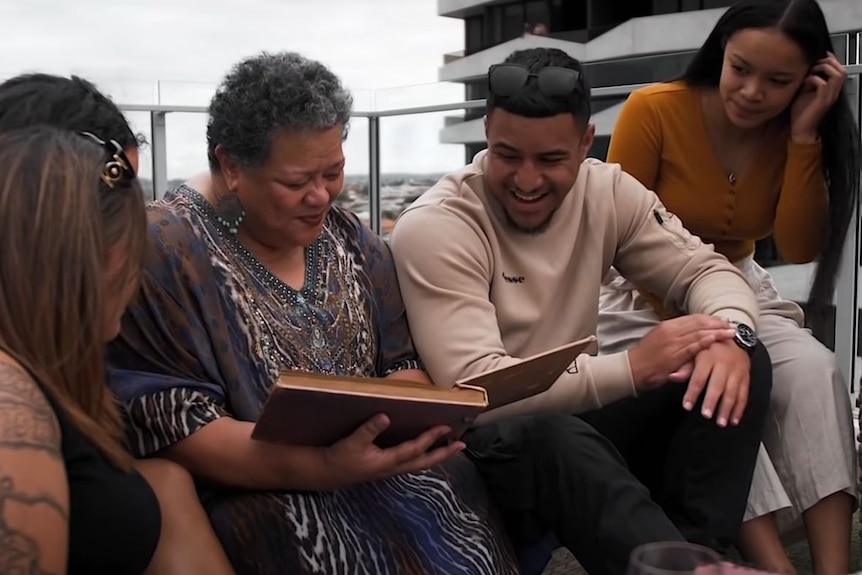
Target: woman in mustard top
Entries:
(757, 138)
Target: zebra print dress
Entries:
(205, 339)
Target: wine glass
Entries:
(674, 558)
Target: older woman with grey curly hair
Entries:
(252, 270)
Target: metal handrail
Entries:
(602, 92)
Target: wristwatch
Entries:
(745, 337)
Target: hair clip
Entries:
(118, 166)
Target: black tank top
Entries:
(114, 517)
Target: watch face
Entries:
(745, 335)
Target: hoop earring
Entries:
(230, 213)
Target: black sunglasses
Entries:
(504, 80)
(118, 167)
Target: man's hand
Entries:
(669, 346)
(724, 370)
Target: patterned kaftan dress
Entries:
(207, 337)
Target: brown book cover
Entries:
(528, 377)
(318, 410)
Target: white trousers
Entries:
(808, 450)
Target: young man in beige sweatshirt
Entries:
(504, 259)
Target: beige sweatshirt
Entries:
(480, 294)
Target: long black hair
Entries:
(69, 103)
(804, 23)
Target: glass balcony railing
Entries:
(394, 154)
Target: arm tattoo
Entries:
(27, 421)
(19, 552)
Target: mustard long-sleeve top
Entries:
(661, 139)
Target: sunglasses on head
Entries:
(118, 167)
(553, 81)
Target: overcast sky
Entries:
(387, 52)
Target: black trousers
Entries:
(636, 471)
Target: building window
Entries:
(566, 16)
(513, 21)
(475, 90)
(473, 35)
(471, 150)
(600, 148)
(689, 5)
(536, 12)
(610, 13)
(638, 69)
(493, 26)
(665, 7)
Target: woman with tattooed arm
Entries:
(72, 234)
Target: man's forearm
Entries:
(725, 294)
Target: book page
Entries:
(380, 386)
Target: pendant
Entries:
(317, 339)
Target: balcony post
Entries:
(159, 147)
(846, 291)
(374, 172)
